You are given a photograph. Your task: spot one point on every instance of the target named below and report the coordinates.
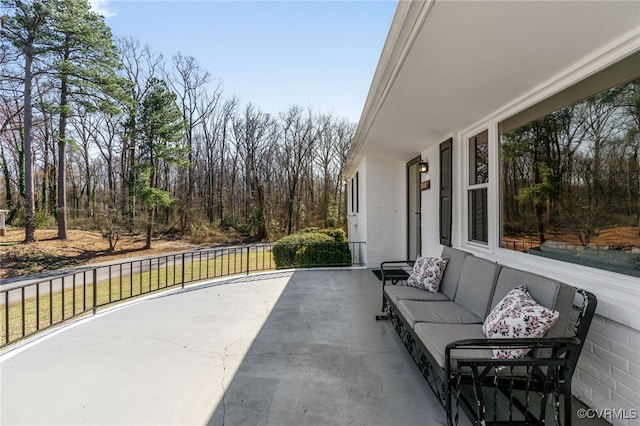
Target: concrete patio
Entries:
(286, 348)
(281, 348)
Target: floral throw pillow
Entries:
(518, 315)
(427, 273)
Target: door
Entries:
(414, 245)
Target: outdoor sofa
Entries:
(491, 380)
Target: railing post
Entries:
(182, 271)
(248, 251)
(6, 316)
(23, 313)
(95, 290)
(51, 302)
(38, 307)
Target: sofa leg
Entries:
(384, 301)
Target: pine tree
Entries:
(86, 61)
(27, 27)
(163, 131)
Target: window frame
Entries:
(352, 200)
(618, 301)
(488, 186)
(357, 192)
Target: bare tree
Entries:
(344, 131)
(253, 136)
(258, 173)
(139, 65)
(299, 133)
(217, 130)
(189, 82)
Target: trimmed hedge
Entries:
(312, 247)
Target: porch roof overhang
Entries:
(447, 65)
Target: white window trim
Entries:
(466, 187)
(618, 294)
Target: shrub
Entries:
(336, 233)
(285, 249)
(312, 247)
(332, 253)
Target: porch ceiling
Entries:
(446, 65)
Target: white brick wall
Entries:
(608, 374)
(357, 221)
(381, 220)
(387, 210)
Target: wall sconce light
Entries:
(423, 168)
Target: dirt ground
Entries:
(624, 236)
(81, 248)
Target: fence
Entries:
(519, 245)
(28, 309)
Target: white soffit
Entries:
(469, 59)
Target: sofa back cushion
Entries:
(548, 292)
(449, 282)
(476, 285)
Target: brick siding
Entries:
(608, 374)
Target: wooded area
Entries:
(104, 133)
(575, 172)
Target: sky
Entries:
(273, 54)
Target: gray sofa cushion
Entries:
(476, 285)
(415, 311)
(403, 292)
(436, 337)
(564, 305)
(549, 293)
(449, 283)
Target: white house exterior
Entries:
(453, 70)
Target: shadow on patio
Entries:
(321, 358)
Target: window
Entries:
(571, 179)
(352, 196)
(478, 222)
(477, 190)
(355, 194)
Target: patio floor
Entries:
(284, 348)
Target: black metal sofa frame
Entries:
(443, 334)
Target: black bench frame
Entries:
(393, 275)
(548, 374)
